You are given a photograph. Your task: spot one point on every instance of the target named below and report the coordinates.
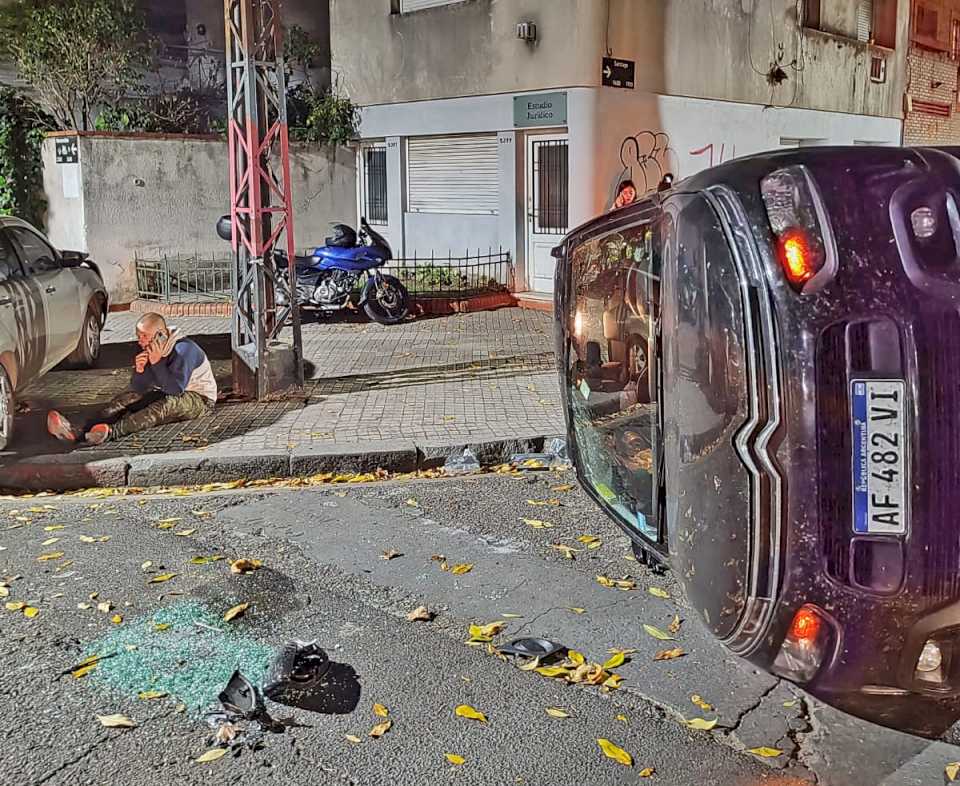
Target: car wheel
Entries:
(88, 350)
(7, 408)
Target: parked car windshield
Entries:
(611, 372)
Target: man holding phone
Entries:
(172, 382)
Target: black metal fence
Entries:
(178, 278)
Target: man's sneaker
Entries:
(60, 427)
(98, 434)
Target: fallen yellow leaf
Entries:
(952, 771)
(459, 570)
(531, 665)
(603, 581)
(552, 671)
(466, 711)
(657, 633)
(50, 541)
(576, 610)
(615, 660)
(161, 578)
(235, 612)
(211, 755)
(352, 738)
(512, 616)
(646, 772)
(699, 702)
(147, 695)
(676, 652)
(789, 704)
(453, 758)
(184, 533)
(557, 712)
(54, 528)
(105, 607)
(15, 605)
(567, 552)
(116, 721)
(576, 657)
(537, 523)
(622, 718)
(30, 612)
(614, 752)
(245, 565)
(392, 554)
(161, 626)
(674, 626)
(766, 753)
(562, 487)
(379, 709)
(701, 724)
(51, 556)
(539, 503)
(116, 619)
(380, 729)
(658, 593)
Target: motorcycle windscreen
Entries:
(610, 382)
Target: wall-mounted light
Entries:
(527, 31)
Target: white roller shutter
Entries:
(453, 174)
(406, 6)
(864, 20)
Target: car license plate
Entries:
(879, 456)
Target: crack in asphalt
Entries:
(741, 716)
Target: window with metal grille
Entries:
(935, 108)
(375, 184)
(551, 174)
(453, 174)
(408, 6)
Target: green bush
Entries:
(22, 128)
(170, 113)
(325, 118)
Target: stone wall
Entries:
(143, 194)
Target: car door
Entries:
(21, 311)
(58, 290)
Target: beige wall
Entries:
(142, 194)
(932, 78)
(718, 49)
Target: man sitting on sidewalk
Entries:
(172, 382)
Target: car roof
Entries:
(13, 221)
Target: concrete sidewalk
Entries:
(396, 398)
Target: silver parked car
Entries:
(52, 308)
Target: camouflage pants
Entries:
(132, 412)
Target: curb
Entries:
(76, 471)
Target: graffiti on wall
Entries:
(646, 158)
(712, 155)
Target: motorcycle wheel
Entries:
(388, 304)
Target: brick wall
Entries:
(926, 69)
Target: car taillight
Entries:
(798, 220)
(807, 642)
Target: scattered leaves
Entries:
(576, 657)
(537, 523)
(646, 772)
(676, 652)
(352, 738)
(552, 671)
(242, 566)
(614, 752)
(15, 605)
(657, 633)
(700, 724)
(198, 560)
(49, 557)
(540, 503)
(30, 612)
(459, 570)
(557, 712)
(466, 711)
(454, 758)
(565, 550)
(380, 710)
(765, 752)
(952, 771)
(235, 612)
(380, 729)
(420, 614)
(658, 593)
(117, 721)
(391, 554)
(623, 584)
(615, 660)
(50, 541)
(159, 579)
(674, 626)
(590, 541)
(105, 607)
(699, 702)
(531, 665)
(148, 695)
(480, 634)
(211, 755)
(562, 487)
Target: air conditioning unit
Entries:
(527, 31)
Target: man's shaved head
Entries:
(147, 328)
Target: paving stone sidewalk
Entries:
(375, 395)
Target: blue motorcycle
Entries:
(328, 276)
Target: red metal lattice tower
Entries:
(265, 336)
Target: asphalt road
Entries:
(324, 576)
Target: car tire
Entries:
(7, 408)
(87, 352)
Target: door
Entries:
(58, 290)
(548, 171)
(21, 314)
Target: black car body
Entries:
(761, 375)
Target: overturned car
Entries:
(761, 375)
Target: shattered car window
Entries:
(614, 312)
